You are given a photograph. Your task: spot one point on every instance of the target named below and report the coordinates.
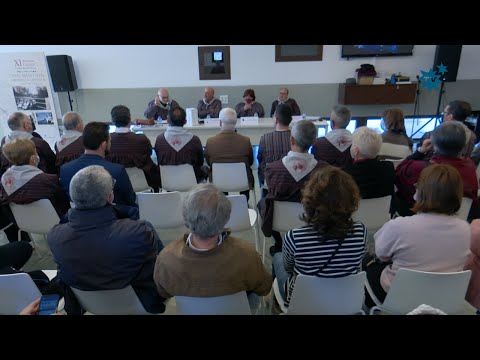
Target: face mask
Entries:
(248, 100)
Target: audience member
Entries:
(331, 244)
(97, 142)
(103, 247)
(432, 240)
(230, 147)
(395, 139)
(284, 99)
(456, 110)
(248, 107)
(178, 146)
(130, 149)
(159, 107)
(209, 262)
(473, 263)
(334, 148)
(34, 133)
(70, 146)
(209, 106)
(374, 178)
(447, 141)
(21, 126)
(24, 182)
(275, 145)
(287, 177)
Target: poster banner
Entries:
(25, 87)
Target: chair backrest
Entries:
(234, 304)
(373, 213)
(37, 217)
(313, 295)
(137, 178)
(394, 150)
(286, 216)
(464, 209)
(412, 288)
(230, 176)
(239, 217)
(395, 162)
(162, 210)
(178, 177)
(16, 292)
(110, 302)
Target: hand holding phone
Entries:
(48, 304)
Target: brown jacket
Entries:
(231, 267)
(230, 147)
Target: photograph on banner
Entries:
(44, 118)
(31, 98)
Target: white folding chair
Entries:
(286, 216)
(464, 209)
(110, 302)
(17, 291)
(231, 177)
(138, 180)
(162, 210)
(178, 177)
(395, 150)
(242, 218)
(314, 295)
(234, 304)
(412, 288)
(37, 217)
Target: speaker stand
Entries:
(440, 94)
(70, 101)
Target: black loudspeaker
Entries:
(448, 55)
(62, 73)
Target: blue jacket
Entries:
(123, 191)
(104, 249)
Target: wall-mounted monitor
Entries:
(349, 51)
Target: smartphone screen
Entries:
(48, 304)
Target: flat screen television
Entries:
(349, 51)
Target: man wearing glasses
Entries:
(158, 108)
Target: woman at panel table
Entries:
(249, 107)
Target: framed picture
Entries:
(214, 62)
(298, 53)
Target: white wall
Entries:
(144, 66)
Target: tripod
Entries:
(70, 101)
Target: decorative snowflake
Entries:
(430, 79)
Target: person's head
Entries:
(21, 152)
(283, 94)
(304, 134)
(449, 139)
(121, 116)
(366, 143)
(283, 114)
(206, 210)
(249, 96)
(208, 94)
(19, 121)
(96, 137)
(177, 116)
(394, 120)
(228, 118)
(340, 117)
(73, 121)
(330, 197)
(439, 190)
(91, 188)
(457, 110)
(163, 95)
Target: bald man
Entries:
(70, 146)
(159, 107)
(209, 106)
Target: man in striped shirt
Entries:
(276, 144)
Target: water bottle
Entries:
(304, 116)
(159, 121)
(255, 115)
(208, 116)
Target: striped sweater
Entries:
(306, 252)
